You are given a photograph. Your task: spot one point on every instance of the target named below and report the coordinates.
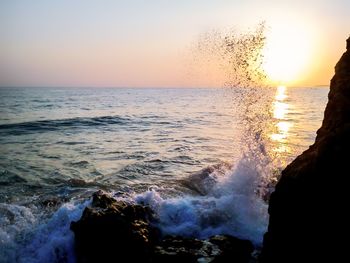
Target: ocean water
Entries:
(204, 159)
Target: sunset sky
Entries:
(146, 43)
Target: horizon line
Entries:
(150, 87)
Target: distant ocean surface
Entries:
(59, 145)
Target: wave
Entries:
(224, 201)
(26, 237)
(228, 204)
(8, 178)
(140, 123)
(59, 124)
(228, 198)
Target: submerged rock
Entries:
(307, 209)
(203, 181)
(114, 231)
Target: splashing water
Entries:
(234, 202)
(28, 239)
(224, 199)
(231, 207)
(239, 58)
(235, 58)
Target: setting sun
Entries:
(185, 130)
(287, 53)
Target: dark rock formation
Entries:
(308, 208)
(216, 249)
(113, 231)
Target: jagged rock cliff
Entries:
(308, 208)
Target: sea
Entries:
(204, 159)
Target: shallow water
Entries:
(58, 145)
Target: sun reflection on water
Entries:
(280, 110)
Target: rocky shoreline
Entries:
(306, 209)
(115, 231)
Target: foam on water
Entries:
(228, 200)
(162, 141)
(233, 202)
(231, 207)
(25, 237)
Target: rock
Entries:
(111, 230)
(114, 231)
(216, 249)
(308, 207)
(232, 249)
(53, 201)
(203, 181)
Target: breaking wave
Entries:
(221, 199)
(231, 206)
(228, 199)
(26, 237)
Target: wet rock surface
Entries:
(115, 231)
(307, 210)
(110, 230)
(214, 249)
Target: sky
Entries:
(146, 43)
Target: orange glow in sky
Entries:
(289, 52)
(145, 43)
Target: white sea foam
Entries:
(228, 202)
(231, 207)
(231, 202)
(24, 237)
